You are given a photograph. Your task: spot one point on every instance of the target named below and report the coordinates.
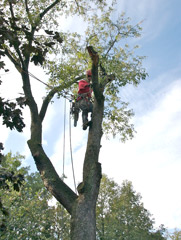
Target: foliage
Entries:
(20, 20)
(29, 214)
(11, 113)
(121, 214)
(25, 36)
(117, 59)
(11, 179)
(12, 116)
(176, 235)
(1, 149)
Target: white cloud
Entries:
(155, 15)
(152, 159)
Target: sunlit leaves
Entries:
(109, 38)
(116, 121)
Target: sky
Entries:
(151, 160)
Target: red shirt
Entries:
(84, 87)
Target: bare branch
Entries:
(124, 34)
(46, 102)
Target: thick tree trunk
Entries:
(83, 217)
(83, 220)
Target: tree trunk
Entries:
(83, 220)
(83, 217)
(82, 207)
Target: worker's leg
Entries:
(85, 119)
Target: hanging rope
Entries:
(63, 174)
(33, 76)
(63, 171)
(70, 140)
(71, 148)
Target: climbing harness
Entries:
(82, 103)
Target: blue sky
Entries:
(152, 159)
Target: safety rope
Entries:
(70, 138)
(63, 171)
(33, 76)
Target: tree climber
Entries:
(83, 100)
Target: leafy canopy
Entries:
(117, 60)
(32, 32)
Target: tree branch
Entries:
(107, 78)
(51, 180)
(27, 8)
(46, 103)
(51, 94)
(48, 8)
(12, 13)
(13, 60)
(95, 83)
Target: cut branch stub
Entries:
(93, 55)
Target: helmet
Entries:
(88, 73)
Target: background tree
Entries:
(30, 216)
(176, 235)
(121, 214)
(21, 40)
(10, 180)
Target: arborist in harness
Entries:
(83, 100)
